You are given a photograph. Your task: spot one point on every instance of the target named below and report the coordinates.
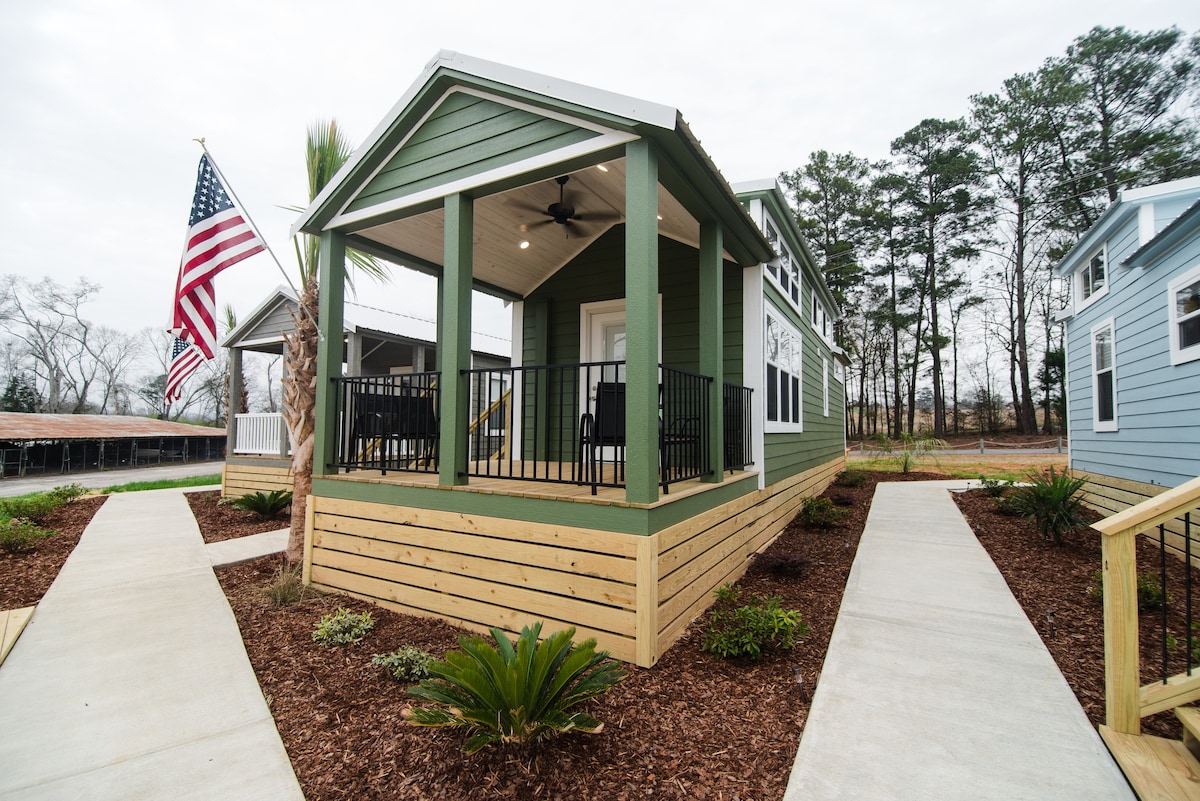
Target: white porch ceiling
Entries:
(504, 220)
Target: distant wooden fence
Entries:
(635, 594)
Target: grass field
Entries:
(1004, 466)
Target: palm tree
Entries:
(327, 149)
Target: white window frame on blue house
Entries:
(787, 361)
(784, 270)
(1106, 374)
(1084, 285)
(1182, 354)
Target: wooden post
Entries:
(454, 343)
(1122, 679)
(646, 612)
(332, 281)
(641, 322)
(712, 342)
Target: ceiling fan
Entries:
(563, 210)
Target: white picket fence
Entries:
(263, 433)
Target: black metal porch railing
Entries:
(1179, 641)
(737, 404)
(552, 423)
(388, 422)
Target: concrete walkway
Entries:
(936, 686)
(131, 681)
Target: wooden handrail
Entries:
(1152, 511)
(1125, 700)
(489, 411)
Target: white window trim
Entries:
(825, 385)
(1192, 352)
(1098, 424)
(796, 274)
(1077, 280)
(775, 426)
(823, 328)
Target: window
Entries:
(1183, 312)
(1104, 378)
(785, 270)
(1092, 281)
(839, 371)
(820, 317)
(825, 385)
(783, 357)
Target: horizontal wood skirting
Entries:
(240, 479)
(1109, 495)
(635, 594)
(478, 571)
(698, 556)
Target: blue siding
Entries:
(1158, 404)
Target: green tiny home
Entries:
(674, 391)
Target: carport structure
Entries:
(71, 443)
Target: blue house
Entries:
(1133, 345)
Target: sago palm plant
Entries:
(522, 693)
(1053, 502)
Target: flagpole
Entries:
(229, 188)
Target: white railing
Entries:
(261, 433)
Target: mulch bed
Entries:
(222, 522)
(24, 578)
(694, 726)
(1047, 577)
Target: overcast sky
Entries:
(100, 102)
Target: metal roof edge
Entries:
(1166, 239)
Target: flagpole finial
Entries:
(201, 141)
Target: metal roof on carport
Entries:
(22, 427)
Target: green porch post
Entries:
(332, 280)
(641, 322)
(712, 341)
(454, 347)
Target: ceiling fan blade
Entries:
(529, 207)
(598, 217)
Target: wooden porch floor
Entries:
(548, 490)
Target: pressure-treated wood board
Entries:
(1158, 769)
(12, 623)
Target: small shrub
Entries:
(407, 664)
(286, 586)
(264, 504)
(994, 487)
(744, 631)
(820, 512)
(1150, 593)
(851, 478)
(21, 536)
(30, 507)
(343, 627)
(1008, 505)
(1053, 502)
(515, 693)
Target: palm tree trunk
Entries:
(299, 406)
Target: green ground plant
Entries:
(1053, 502)
(820, 512)
(518, 693)
(747, 630)
(408, 663)
(850, 478)
(264, 504)
(1150, 592)
(18, 535)
(909, 451)
(166, 483)
(343, 627)
(994, 487)
(30, 507)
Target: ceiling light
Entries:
(660, 218)
(601, 168)
(524, 244)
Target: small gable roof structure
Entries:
(262, 330)
(503, 135)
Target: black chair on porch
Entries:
(677, 442)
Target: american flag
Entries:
(218, 236)
(185, 358)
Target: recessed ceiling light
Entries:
(524, 244)
(601, 168)
(660, 218)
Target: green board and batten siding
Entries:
(465, 136)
